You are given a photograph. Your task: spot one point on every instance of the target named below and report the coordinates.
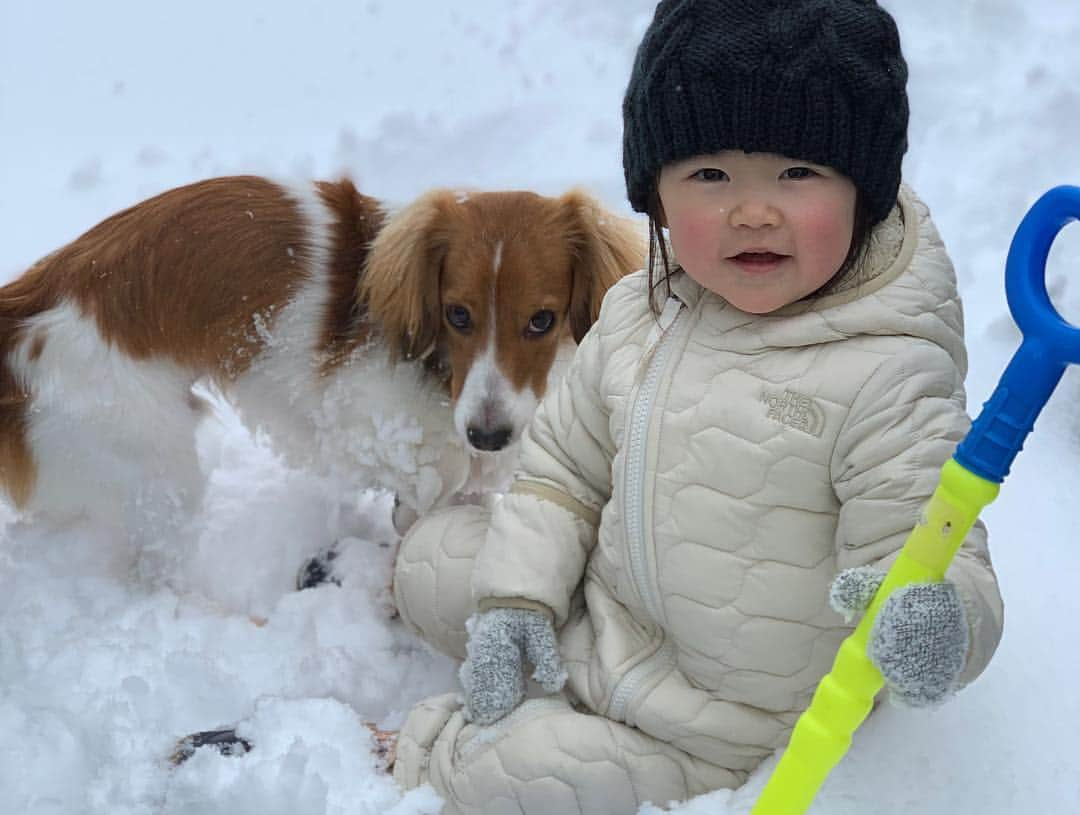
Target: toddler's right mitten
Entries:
(501, 640)
(919, 641)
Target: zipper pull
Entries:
(664, 321)
(660, 326)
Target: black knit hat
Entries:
(817, 80)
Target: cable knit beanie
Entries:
(817, 80)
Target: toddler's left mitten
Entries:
(501, 640)
(919, 641)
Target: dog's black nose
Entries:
(489, 440)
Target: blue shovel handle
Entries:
(1050, 343)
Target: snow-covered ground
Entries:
(102, 104)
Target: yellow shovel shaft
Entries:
(845, 695)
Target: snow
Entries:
(103, 104)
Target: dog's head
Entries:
(486, 287)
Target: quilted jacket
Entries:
(688, 494)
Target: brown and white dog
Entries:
(402, 350)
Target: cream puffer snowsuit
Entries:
(684, 501)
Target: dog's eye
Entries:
(459, 317)
(541, 323)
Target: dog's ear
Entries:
(400, 284)
(606, 247)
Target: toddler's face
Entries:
(759, 229)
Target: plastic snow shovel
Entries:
(969, 481)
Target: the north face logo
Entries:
(796, 411)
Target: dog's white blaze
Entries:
(488, 401)
(497, 263)
(493, 313)
(113, 437)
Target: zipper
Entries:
(631, 682)
(636, 437)
(634, 508)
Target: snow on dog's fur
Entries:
(401, 350)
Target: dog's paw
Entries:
(318, 570)
(403, 517)
(224, 741)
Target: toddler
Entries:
(740, 448)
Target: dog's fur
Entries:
(325, 319)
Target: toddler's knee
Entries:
(423, 726)
(433, 575)
(545, 757)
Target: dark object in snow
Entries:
(318, 570)
(383, 747)
(224, 741)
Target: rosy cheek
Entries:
(692, 237)
(829, 235)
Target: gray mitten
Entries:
(493, 675)
(920, 637)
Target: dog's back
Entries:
(166, 277)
